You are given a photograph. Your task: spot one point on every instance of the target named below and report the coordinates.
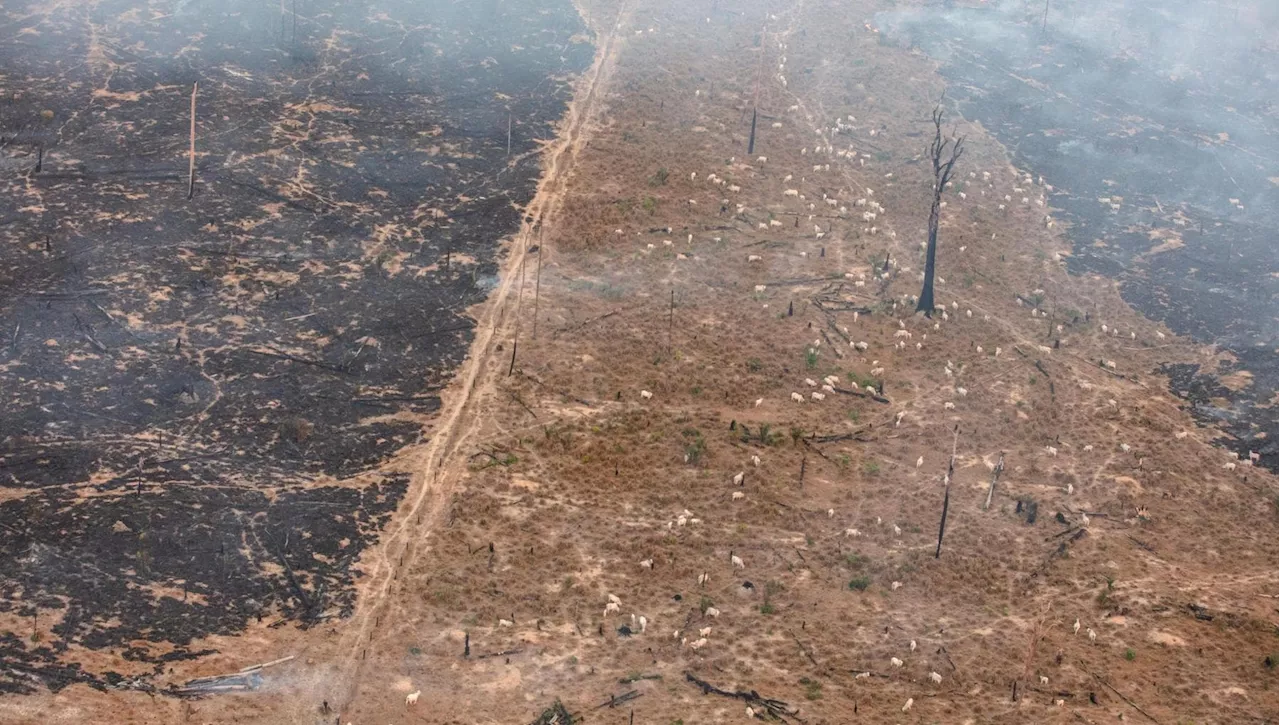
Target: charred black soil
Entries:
(198, 392)
(1161, 150)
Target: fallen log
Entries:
(775, 708)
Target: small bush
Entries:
(694, 451)
(659, 178)
(871, 468)
(1130, 655)
(812, 689)
(811, 358)
(767, 608)
(704, 604)
(860, 584)
(754, 365)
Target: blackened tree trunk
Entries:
(944, 153)
(930, 259)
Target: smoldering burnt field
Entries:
(1156, 125)
(199, 393)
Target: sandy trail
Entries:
(438, 467)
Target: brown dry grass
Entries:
(573, 478)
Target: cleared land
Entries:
(552, 478)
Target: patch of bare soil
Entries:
(633, 373)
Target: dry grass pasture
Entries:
(551, 482)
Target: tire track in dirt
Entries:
(437, 466)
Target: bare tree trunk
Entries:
(930, 259)
(951, 148)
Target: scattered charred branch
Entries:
(1121, 695)
(807, 652)
(615, 700)
(249, 678)
(638, 678)
(294, 358)
(75, 295)
(555, 715)
(863, 394)
(291, 203)
(1059, 552)
(503, 653)
(298, 591)
(775, 708)
(579, 326)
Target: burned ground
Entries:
(1160, 146)
(677, 298)
(196, 391)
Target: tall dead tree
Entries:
(945, 153)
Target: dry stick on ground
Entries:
(503, 653)
(294, 358)
(804, 649)
(516, 397)
(995, 476)
(1122, 696)
(946, 495)
(860, 394)
(815, 449)
(637, 678)
(191, 152)
(941, 175)
(615, 700)
(776, 708)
